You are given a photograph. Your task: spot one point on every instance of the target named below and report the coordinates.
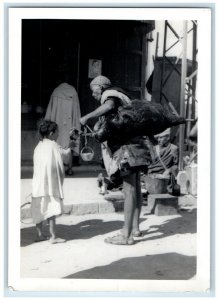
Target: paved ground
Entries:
(166, 251)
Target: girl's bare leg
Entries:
(52, 225)
(40, 236)
(39, 228)
(52, 230)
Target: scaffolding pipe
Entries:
(179, 40)
(188, 112)
(174, 32)
(192, 75)
(194, 66)
(163, 64)
(156, 50)
(182, 94)
(173, 68)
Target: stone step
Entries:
(82, 197)
(83, 209)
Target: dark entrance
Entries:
(51, 48)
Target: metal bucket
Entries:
(156, 183)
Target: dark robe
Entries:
(164, 159)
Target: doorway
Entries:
(54, 47)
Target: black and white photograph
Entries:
(109, 157)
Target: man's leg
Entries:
(125, 237)
(138, 204)
(129, 188)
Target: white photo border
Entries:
(204, 92)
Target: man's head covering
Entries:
(101, 80)
(165, 132)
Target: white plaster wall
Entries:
(175, 51)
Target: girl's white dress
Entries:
(47, 183)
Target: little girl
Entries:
(47, 183)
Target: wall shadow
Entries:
(169, 266)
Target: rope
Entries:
(162, 163)
(86, 127)
(23, 205)
(85, 154)
(85, 136)
(89, 129)
(28, 202)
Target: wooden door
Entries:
(135, 66)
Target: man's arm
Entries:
(100, 111)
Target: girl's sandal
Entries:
(119, 240)
(57, 240)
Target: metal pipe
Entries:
(173, 68)
(174, 32)
(156, 50)
(188, 112)
(192, 75)
(189, 94)
(182, 94)
(194, 67)
(163, 62)
(170, 104)
(172, 45)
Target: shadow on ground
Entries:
(170, 266)
(83, 230)
(185, 223)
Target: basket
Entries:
(87, 153)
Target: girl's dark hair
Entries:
(45, 127)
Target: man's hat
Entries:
(101, 80)
(165, 132)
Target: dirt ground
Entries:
(167, 250)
